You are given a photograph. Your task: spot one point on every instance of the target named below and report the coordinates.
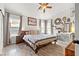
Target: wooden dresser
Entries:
(19, 40)
(70, 50)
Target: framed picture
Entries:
(32, 21)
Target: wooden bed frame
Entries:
(40, 46)
(33, 32)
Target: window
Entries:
(48, 27)
(14, 24)
(38, 26)
(42, 26)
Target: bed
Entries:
(40, 40)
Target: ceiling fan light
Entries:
(43, 6)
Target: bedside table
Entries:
(70, 50)
(19, 39)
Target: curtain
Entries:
(40, 25)
(20, 27)
(51, 26)
(45, 21)
(7, 28)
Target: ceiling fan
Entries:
(43, 6)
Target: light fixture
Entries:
(43, 6)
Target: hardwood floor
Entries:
(23, 50)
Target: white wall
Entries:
(1, 29)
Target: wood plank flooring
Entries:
(23, 50)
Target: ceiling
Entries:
(31, 9)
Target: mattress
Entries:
(35, 38)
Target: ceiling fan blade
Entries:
(40, 3)
(43, 3)
(46, 3)
(40, 7)
(49, 6)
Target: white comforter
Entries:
(34, 38)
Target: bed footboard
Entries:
(40, 44)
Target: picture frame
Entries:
(32, 21)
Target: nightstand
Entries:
(19, 39)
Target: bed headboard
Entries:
(30, 32)
(34, 32)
